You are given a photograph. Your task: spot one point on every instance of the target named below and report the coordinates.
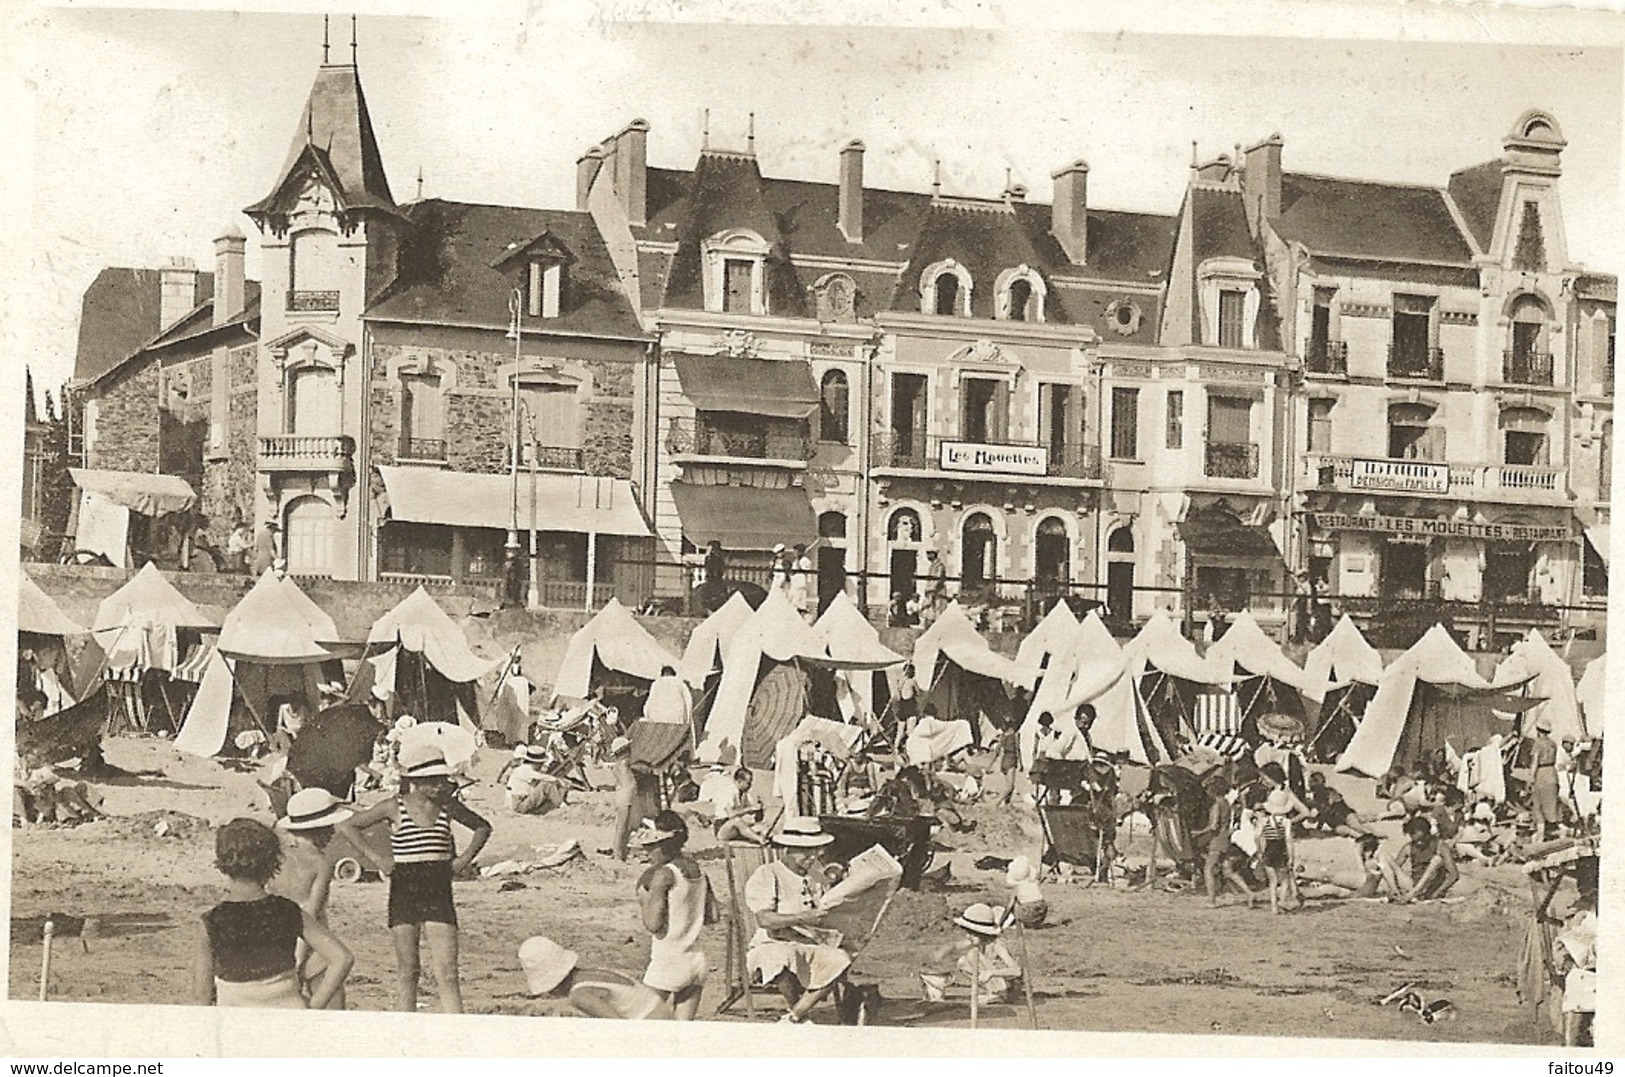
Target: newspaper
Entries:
(853, 905)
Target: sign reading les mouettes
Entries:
(1402, 476)
(1406, 525)
(1003, 459)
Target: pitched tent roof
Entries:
(276, 623)
(1096, 671)
(618, 642)
(849, 637)
(1549, 678)
(1434, 660)
(953, 636)
(708, 643)
(774, 633)
(1592, 694)
(136, 624)
(418, 624)
(1343, 656)
(37, 612)
(1051, 636)
(1246, 646)
(1160, 646)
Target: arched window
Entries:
(313, 401)
(1020, 301)
(1121, 540)
(308, 527)
(1410, 435)
(945, 289)
(904, 526)
(1528, 356)
(947, 294)
(832, 525)
(979, 550)
(832, 407)
(1021, 294)
(1120, 573)
(1052, 552)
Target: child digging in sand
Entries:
(978, 955)
(422, 862)
(248, 952)
(306, 874)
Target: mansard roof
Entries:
(1362, 219)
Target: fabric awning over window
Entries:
(1597, 536)
(578, 504)
(1218, 536)
(744, 518)
(779, 388)
(150, 495)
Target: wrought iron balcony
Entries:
(1223, 461)
(429, 449)
(304, 452)
(914, 450)
(764, 441)
(1327, 357)
(553, 457)
(1420, 364)
(308, 301)
(1526, 368)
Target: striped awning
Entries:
(192, 666)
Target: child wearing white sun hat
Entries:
(978, 957)
(306, 830)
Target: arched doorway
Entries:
(308, 530)
(903, 564)
(1052, 556)
(979, 552)
(1120, 574)
(831, 557)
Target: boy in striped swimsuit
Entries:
(423, 859)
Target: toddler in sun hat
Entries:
(977, 957)
(1027, 902)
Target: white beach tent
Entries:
(141, 625)
(611, 642)
(708, 643)
(1182, 692)
(1548, 678)
(42, 631)
(38, 614)
(852, 641)
(1267, 681)
(1592, 694)
(1050, 638)
(1429, 696)
(436, 679)
(1348, 669)
(952, 641)
(1094, 670)
(763, 694)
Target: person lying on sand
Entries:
(552, 971)
(1330, 811)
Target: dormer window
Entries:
(945, 289)
(1021, 295)
(543, 287)
(1229, 296)
(735, 273)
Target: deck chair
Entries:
(740, 861)
(1071, 834)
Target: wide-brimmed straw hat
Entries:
(535, 753)
(546, 964)
(1543, 725)
(802, 834)
(424, 761)
(649, 834)
(1278, 726)
(311, 809)
(985, 919)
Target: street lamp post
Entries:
(511, 548)
(533, 595)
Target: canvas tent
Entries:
(419, 655)
(960, 673)
(1347, 668)
(1183, 693)
(154, 643)
(1592, 694)
(1267, 681)
(613, 652)
(42, 655)
(848, 637)
(1548, 678)
(1428, 697)
(274, 642)
(708, 644)
(1094, 670)
(1050, 638)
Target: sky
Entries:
(146, 132)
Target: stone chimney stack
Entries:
(1261, 181)
(229, 249)
(632, 170)
(177, 290)
(850, 213)
(587, 166)
(1069, 212)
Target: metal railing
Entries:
(1327, 357)
(553, 457)
(1335, 472)
(327, 452)
(1222, 461)
(307, 300)
(413, 448)
(915, 450)
(765, 441)
(1423, 365)
(1526, 368)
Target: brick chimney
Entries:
(177, 290)
(850, 212)
(632, 170)
(1069, 212)
(587, 166)
(1261, 181)
(228, 274)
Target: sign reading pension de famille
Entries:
(1404, 476)
(1408, 525)
(1005, 459)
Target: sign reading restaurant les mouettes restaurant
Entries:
(1409, 525)
(1400, 476)
(1005, 459)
